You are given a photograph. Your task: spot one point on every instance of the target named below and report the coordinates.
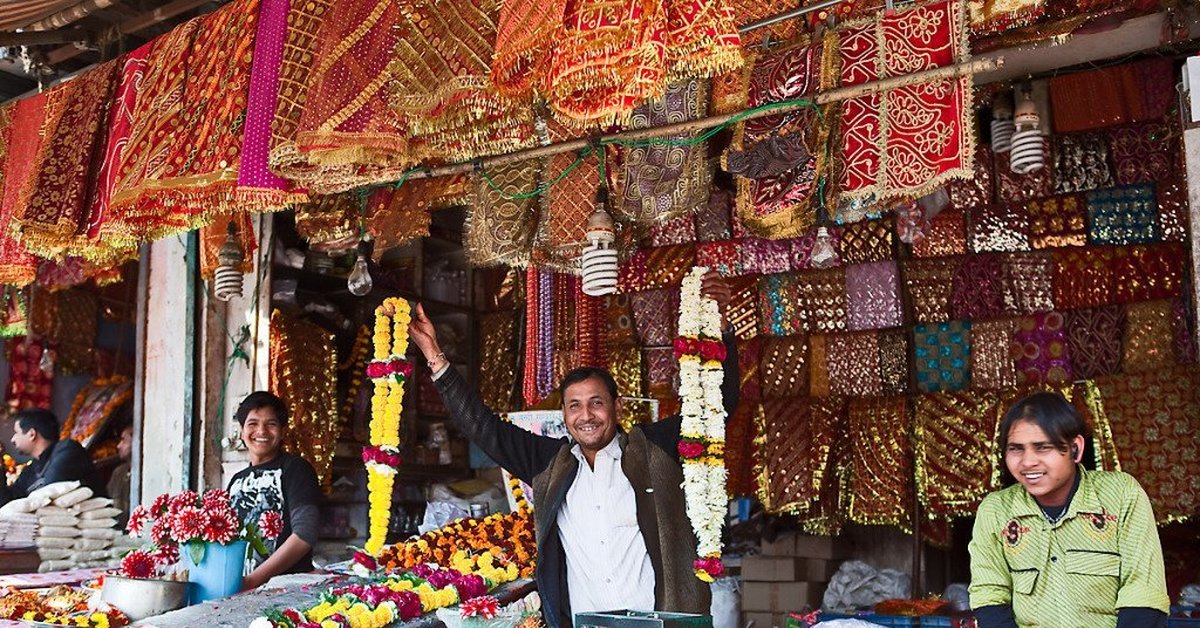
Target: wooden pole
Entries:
(691, 126)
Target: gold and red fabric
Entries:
(51, 210)
(296, 83)
(500, 228)
(28, 385)
(992, 365)
(907, 140)
(798, 435)
(172, 181)
(103, 236)
(440, 82)
(930, 283)
(783, 367)
(880, 463)
(346, 133)
(854, 364)
(20, 122)
(956, 456)
(304, 375)
(995, 16)
(1148, 272)
(1132, 92)
(1148, 343)
(1153, 421)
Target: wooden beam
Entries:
(36, 38)
(132, 25)
(70, 15)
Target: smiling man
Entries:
(277, 481)
(611, 525)
(1063, 547)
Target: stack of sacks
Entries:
(18, 523)
(76, 530)
(17, 530)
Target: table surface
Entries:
(295, 590)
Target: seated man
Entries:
(118, 482)
(275, 481)
(54, 460)
(1064, 546)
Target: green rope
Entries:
(541, 189)
(598, 148)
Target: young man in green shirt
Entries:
(1064, 547)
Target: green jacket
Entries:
(1103, 555)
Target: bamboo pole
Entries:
(691, 126)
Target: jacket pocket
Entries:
(1024, 580)
(1093, 563)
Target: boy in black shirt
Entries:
(275, 481)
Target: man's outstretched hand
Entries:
(423, 334)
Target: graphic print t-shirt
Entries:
(284, 484)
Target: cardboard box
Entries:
(779, 597)
(807, 546)
(787, 569)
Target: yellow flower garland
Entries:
(390, 342)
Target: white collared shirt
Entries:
(608, 567)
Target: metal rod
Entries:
(684, 128)
(787, 15)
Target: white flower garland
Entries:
(702, 435)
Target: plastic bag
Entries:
(858, 585)
(726, 606)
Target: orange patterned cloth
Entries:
(346, 133)
(1153, 421)
(440, 83)
(1083, 277)
(1057, 221)
(20, 123)
(955, 450)
(612, 55)
(171, 182)
(906, 140)
(103, 237)
(881, 491)
(525, 32)
(52, 210)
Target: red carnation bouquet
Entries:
(190, 520)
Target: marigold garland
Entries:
(388, 372)
(702, 434)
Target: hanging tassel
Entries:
(529, 373)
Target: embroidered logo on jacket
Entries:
(1013, 532)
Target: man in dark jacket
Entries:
(610, 516)
(54, 460)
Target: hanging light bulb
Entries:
(1028, 146)
(824, 254)
(1002, 122)
(46, 362)
(227, 279)
(599, 259)
(359, 281)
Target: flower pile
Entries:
(507, 538)
(59, 605)
(702, 434)
(424, 589)
(189, 519)
(388, 371)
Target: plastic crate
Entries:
(891, 621)
(1184, 617)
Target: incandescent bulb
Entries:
(360, 282)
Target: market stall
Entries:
(908, 250)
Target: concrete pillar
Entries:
(165, 410)
(1191, 150)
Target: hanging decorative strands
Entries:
(545, 334)
(529, 389)
(702, 433)
(388, 371)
